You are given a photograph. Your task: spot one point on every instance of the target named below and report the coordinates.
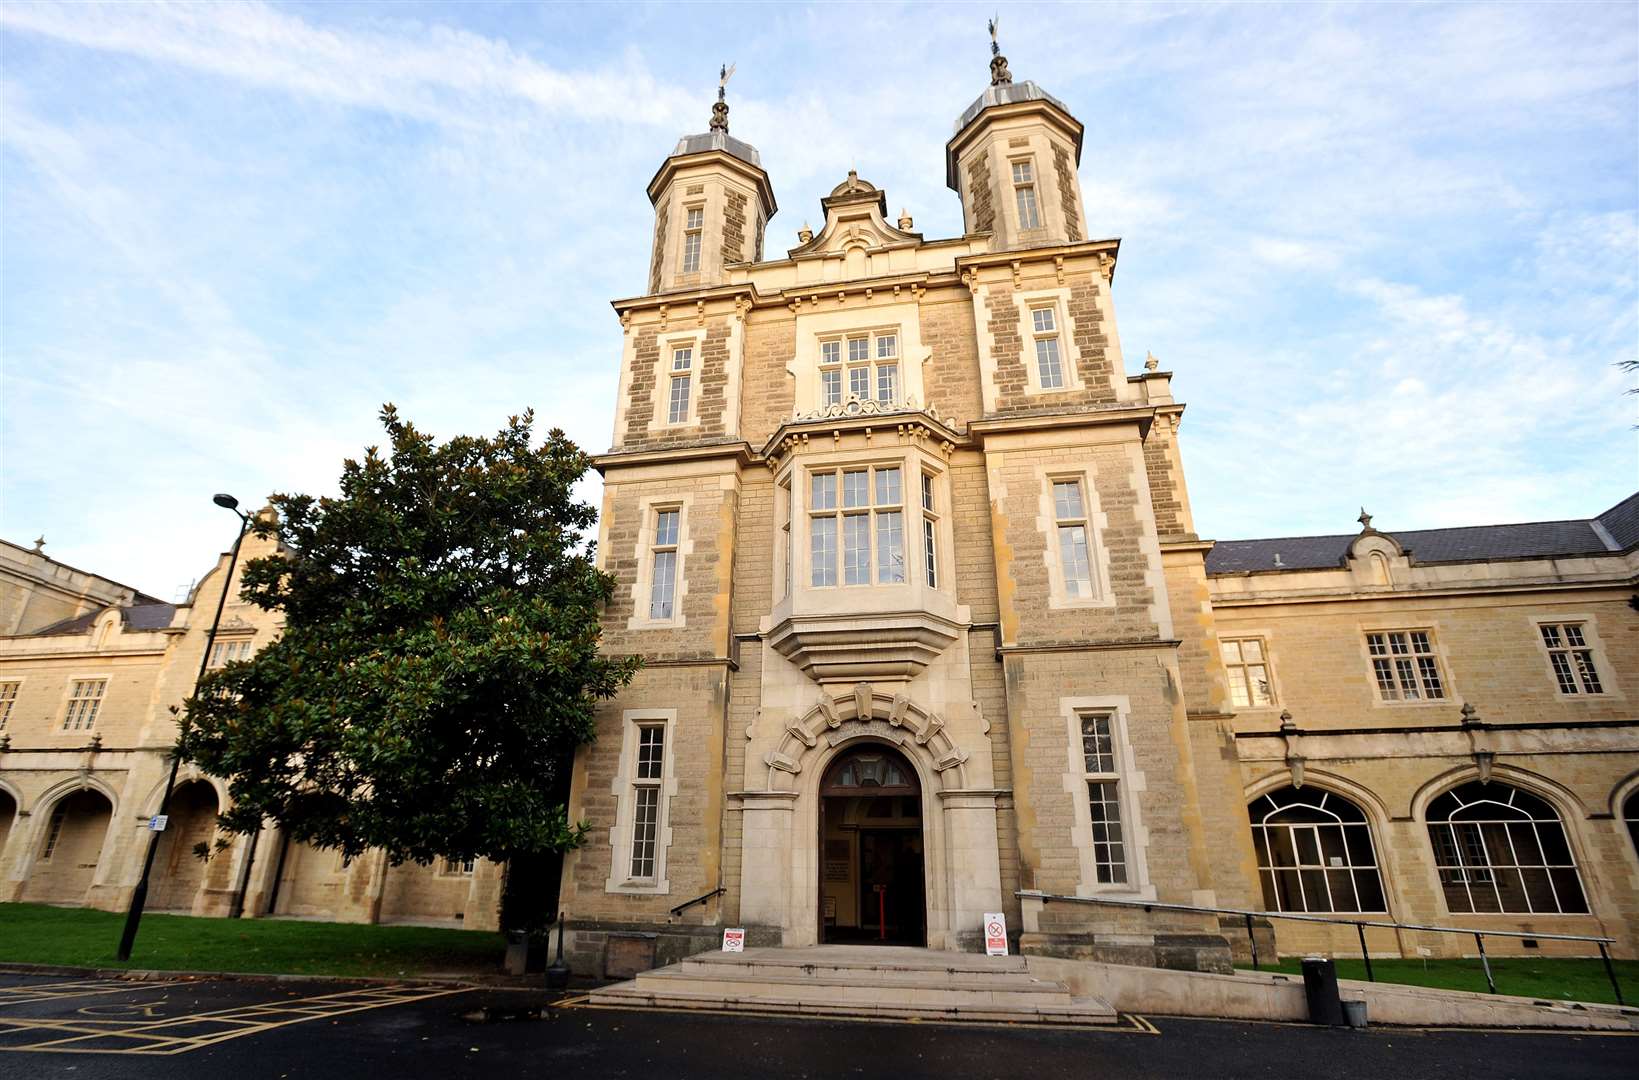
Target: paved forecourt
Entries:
(47, 1014)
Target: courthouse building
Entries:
(929, 632)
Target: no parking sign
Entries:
(995, 933)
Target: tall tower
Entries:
(1013, 162)
(712, 200)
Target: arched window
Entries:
(1630, 814)
(1500, 849)
(1314, 853)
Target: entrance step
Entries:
(870, 981)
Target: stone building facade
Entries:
(85, 726)
(930, 632)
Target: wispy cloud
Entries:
(1390, 252)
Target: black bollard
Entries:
(1320, 988)
(557, 973)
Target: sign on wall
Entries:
(995, 933)
(158, 821)
(734, 940)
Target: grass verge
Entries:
(1552, 979)
(40, 934)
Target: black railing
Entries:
(680, 908)
(1360, 926)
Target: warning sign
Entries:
(734, 940)
(995, 933)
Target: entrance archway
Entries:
(8, 814)
(872, 878)
(66, 861)
(178, 872)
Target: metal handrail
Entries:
(1360, 926)
(680, 908)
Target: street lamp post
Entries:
(133, 916)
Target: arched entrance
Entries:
(178, 872)
(66, 861)
(872, 881)
(8, 814)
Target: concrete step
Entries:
(860, 981)
(856, 988)
(819, 1004)
(823, 958)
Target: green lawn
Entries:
(38, 934)
(1551, 979)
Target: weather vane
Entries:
(719, 111)
(999, 75)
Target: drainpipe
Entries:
(237, 908)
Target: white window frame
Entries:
(786, 563)
(624, 788)
(932, 517)
(1600, 669)
(680, 372)
(71, 722)
(1058, 301)
(697, 235)
(644, 552)
(660, 398)
(457, 869)
(226, 650)
(865, 365)
(1435, 652)
(1032, 184)
(1130, 783)
(1239, 640)
(872, 510)
(1098, 556)
(10, 691)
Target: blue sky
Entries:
(1390, 252)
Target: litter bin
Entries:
(1320, 988)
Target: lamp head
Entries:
(227, 502)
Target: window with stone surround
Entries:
(856, 526)
(1315, 853)
(862, 365)
(1073, 537)
(84, 702)
(787, 539)
(1103, 779)
(680, 391)
(663, 576)
(1024, 194)
(1630, 814)
(693, 226)
(930, 531)
(229, 651)
(458, 867)
(1405, 665)
(1500, 849)
(1044, 331)
(54, 832)
(1246, 662)
(645, 787)
(8, 698)
(1571, 656)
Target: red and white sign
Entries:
(734, 940)
(995, 933)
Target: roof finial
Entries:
(40, 545)
(999, 75)
(1150, 362)
(1365, 520)
(719, 111)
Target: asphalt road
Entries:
(218, 1028)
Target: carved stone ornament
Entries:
(853, 405)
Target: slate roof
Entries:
(718, 140)
(1617, 529)
(156, 616)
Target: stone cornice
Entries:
(1142, 415)
(1111, 249)
(616, 459)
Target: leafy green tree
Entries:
(439, 661)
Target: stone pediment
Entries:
(856, 218)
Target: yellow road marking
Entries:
(161, 1036)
